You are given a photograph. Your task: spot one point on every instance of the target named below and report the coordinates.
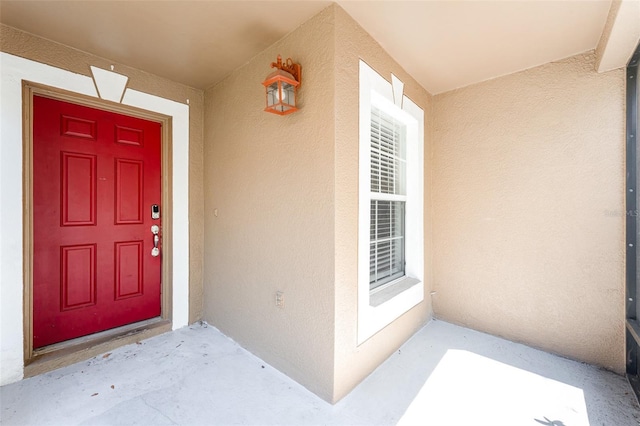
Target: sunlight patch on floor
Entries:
(466, 388)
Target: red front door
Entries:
(96, 176)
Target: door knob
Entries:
(155, 251)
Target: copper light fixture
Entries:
(281, 86)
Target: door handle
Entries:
(155, 251)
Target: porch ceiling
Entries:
(443, 44)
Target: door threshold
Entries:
(69, 352)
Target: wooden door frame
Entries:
(29, 89)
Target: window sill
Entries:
(378, 309)
(377, 298)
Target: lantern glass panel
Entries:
(273, 95)
(288, 94)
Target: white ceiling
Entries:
(442, 44)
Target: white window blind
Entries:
(388, 199)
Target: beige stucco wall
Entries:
(285, 190)
(28, 46)
(271, 181)
(528, 197)
(353, 363)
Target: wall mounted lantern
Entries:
(281, 86)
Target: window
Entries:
(388, 198)
(390, 241)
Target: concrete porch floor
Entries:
(444, 375)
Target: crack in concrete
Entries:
(173, 422)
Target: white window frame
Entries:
(393, 299)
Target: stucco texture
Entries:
(28, 46)
(269, 202)
(353, 363)
(281, 210)
(528, 205)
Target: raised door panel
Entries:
(77, 276)
(129, 190)
(128, 270)
(78, 189)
